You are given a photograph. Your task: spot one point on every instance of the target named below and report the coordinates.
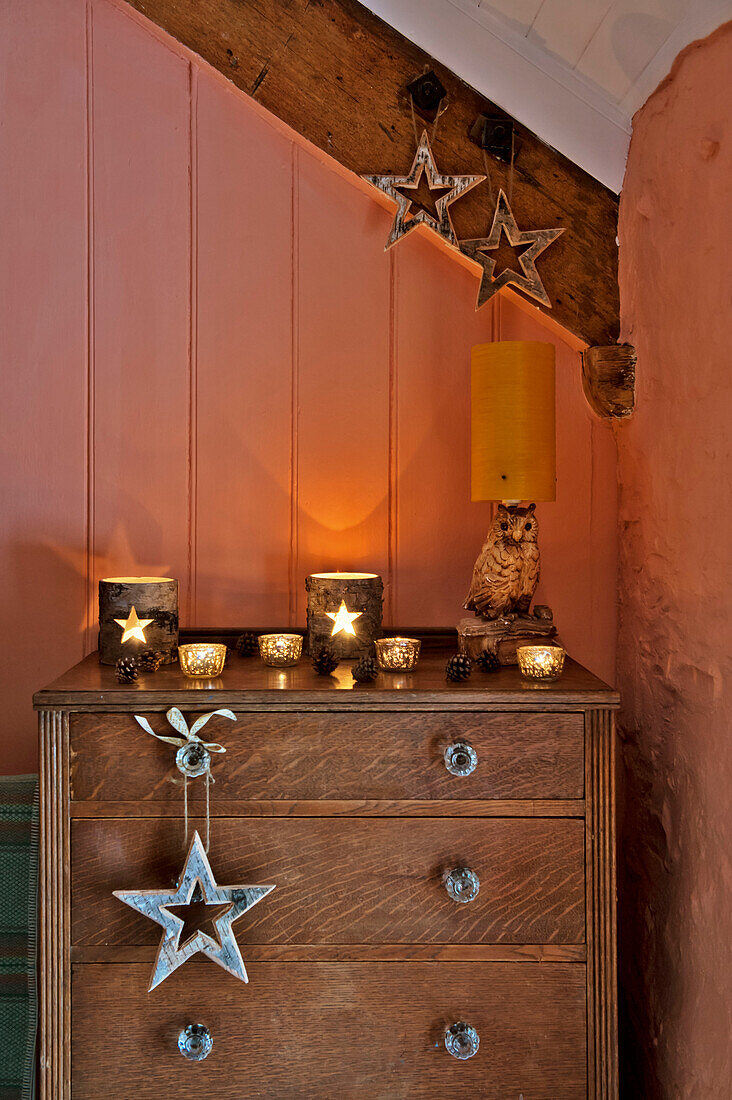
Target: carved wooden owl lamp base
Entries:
(503, 637)
(513, 452)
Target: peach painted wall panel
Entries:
(244, 359)
(342, 287)
(140, 151)
(439, 530)
(270, 393)
(43, 355)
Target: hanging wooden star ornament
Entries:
(196, 885)
(404, 219)
(536, 239)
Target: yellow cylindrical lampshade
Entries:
(513, 429)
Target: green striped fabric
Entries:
(18, 922)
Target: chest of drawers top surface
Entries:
(248, 682)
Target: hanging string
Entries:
(444, 104)
(185, 810)
(488, 178)
(209, 781)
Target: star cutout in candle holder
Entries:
(343, 619)
(132, 627)
(404, 220)
(196, 884)
(537, 239)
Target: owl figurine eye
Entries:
(527, 526)
(504, 527)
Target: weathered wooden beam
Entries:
(608, 379)
(337, 75)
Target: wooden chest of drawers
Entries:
(360, 960)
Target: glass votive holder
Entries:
(397, 654)
(202, 659)
(541, 662)
(279, 650)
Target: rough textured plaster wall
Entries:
(674, 666)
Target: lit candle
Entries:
(135, 614)
(540, 662)
(397, 654)
(202, 659)
(279, 650)
(344, 612)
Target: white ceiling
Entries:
(573, 71)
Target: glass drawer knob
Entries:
(462, 884)
(195, 1042)
(460, 758)
(462, 1041)
(193, 760)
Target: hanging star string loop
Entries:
(193, 756)
(188, 736)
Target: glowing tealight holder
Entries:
(541, 662)
(279, 650)
(202, 659)
(397, 654)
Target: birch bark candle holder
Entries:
(344, 612)
(137, 613)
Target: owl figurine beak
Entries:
(517, 536)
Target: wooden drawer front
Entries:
(323, 1030)
(345, 880)
(377, 755)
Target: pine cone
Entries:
(488, 661)
(149, 660)
(458, 667)
(365, 670)
(325, 661)
(126, 669)
(246, 645)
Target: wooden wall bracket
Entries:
(608, 379)
(336, 74)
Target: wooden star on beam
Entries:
(536, 239)
(404, 219)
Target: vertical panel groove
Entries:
(193, 347)
(90, 542)
(392, 613)
(294, 404)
